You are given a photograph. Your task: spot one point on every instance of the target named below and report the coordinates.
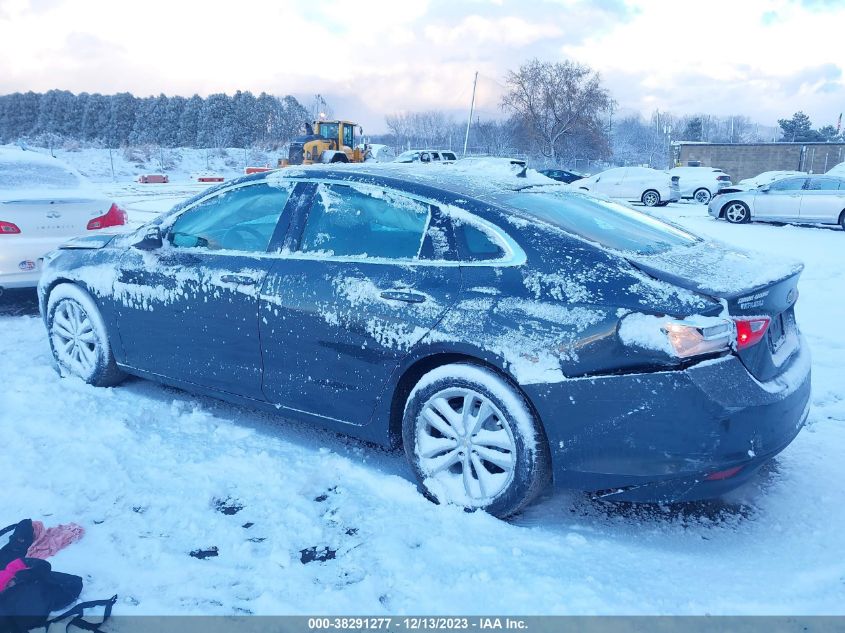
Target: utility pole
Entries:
(471, 109)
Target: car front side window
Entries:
(790, 184)
(242, 219)
(345, 221)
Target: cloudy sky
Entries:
(761, 58)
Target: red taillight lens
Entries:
(7, 228)
(723, 177)
(750, 331)
(114, 217)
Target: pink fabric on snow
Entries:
(47, 542)
(7, 574)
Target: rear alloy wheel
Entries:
(78, 337)
(651, 198)
(472, 441)
(737, 213)
(701, 196)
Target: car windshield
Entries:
(407, 157)
(609, 224)
(27, 175)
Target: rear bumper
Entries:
(657, 436)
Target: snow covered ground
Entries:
(154, 473)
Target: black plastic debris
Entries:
(257, 539)
(325, 495)
(247, 525)
(316, 554)
(228, 506)
(205, 553)
(351, 531)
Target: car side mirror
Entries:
(152, 240)
(764, 188)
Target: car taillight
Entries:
(693, 339)
(723, 177)
(7, 228)
(750, 331)
(115, 216)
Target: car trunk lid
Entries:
(52, 215)
(751, 286)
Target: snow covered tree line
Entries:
(219, 120)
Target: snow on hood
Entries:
(715, 268)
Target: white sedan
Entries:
(700, 183)
(652, 187)
(802, 199)
(43, 203)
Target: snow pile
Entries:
(837, 170)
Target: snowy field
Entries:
(154, 473)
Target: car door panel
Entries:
(192, 317)
(823, 200)
(189, 309)
(333, 328)
(781, 201)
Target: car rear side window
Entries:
(475, 244)
(347, 221)
(824, 184)
(606, 223)
(241, 219)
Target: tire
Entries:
(78, 337)
(650, 198)
(702, 196)
(736, 212)
(842, 220)
(499, 467)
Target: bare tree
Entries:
(554, 101)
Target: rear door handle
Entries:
(244, 280)
(403, 295)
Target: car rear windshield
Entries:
(609, 224)
(26, 175)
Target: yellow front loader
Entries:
(325, 142)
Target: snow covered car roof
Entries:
(27, 174)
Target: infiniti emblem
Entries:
(54, 214)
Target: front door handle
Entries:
(403, 295)
(244, 280)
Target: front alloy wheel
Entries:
(737, 213)
(472, 441)
(78, 337)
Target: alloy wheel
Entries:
(736, 213)
(74, 338)
(650, 198)
(702, 196)
(465, 444)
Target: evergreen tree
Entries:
(189, 122)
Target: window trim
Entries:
(166, 225)
(514, 254)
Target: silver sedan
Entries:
(811, 199)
